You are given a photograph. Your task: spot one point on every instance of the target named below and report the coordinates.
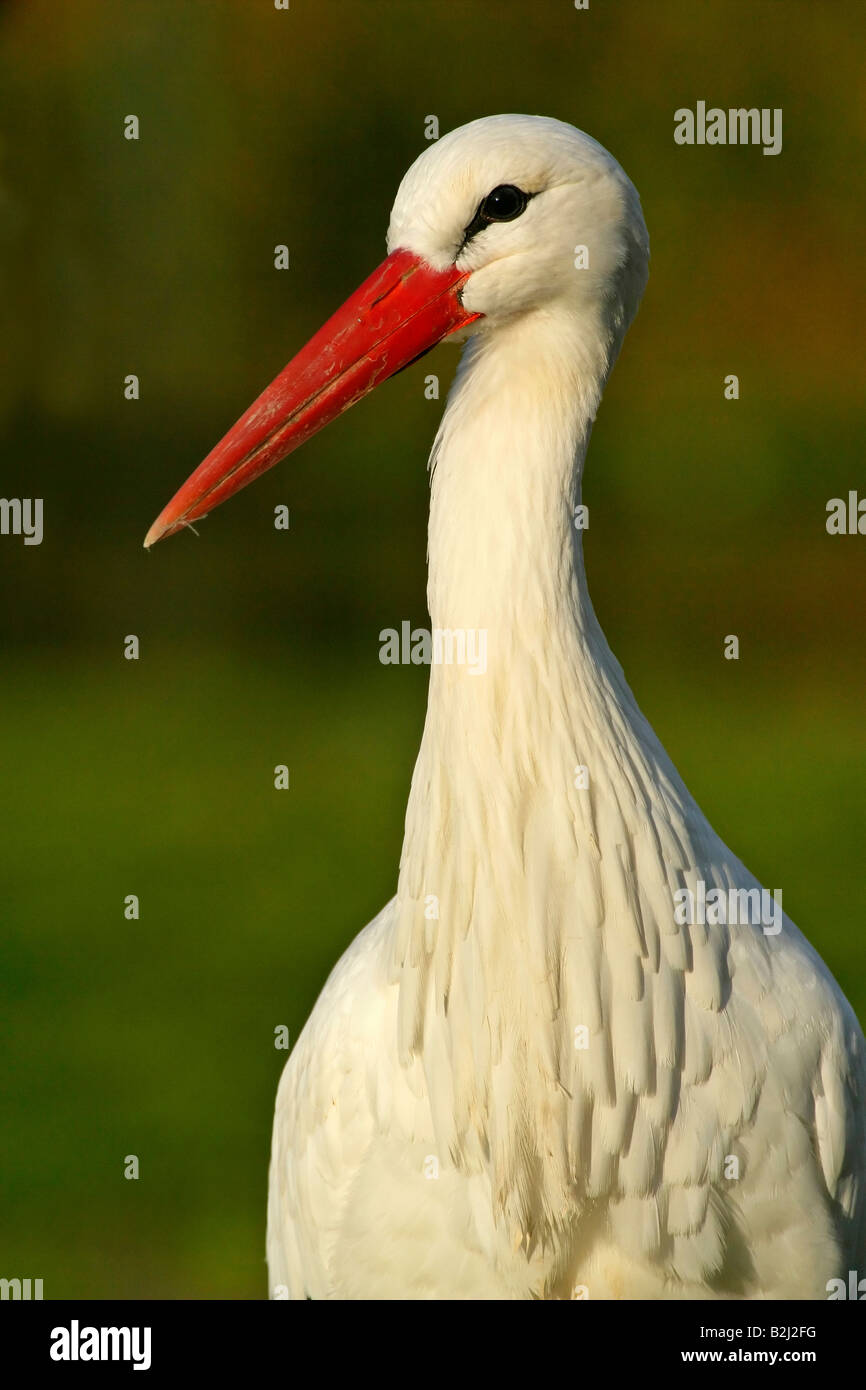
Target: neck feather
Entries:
(518, 917)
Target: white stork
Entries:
(529, 1077)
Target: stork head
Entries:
(505, 217)
(533, 211)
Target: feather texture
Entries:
(555, 1084)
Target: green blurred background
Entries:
(259, 647)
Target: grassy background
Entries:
(155, 777)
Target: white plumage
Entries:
(438, 1132)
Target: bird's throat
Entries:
(533, 782)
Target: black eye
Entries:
(502, 204)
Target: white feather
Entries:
(437, 1131)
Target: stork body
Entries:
(528, 1078)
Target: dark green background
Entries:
(260, 647)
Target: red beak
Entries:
(404, 308)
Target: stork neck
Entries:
(511, 737)
(505, 555)
(513, 911)
(506, 566)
